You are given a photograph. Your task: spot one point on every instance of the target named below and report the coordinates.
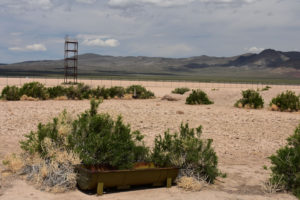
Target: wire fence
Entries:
(19, 81)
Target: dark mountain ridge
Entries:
(269, 58)
(265, 62)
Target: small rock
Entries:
(169, 98)
(179, 112)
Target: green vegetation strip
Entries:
(36, 90)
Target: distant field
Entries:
(147, 78)
(159, 83)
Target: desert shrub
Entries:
(286, 101)
(99, 140)
(35, 90)
(73, 93)
(180, 90)
(84, 91)
(79, 91)
(198, 97)
(187, 150)
(11, 93)
(57, 131)
(251, 99)
(100, 92)
(56, 91)
(47, 161)
(286, 165)
(53, 172)
(140, 92)
(116, 91)
(266, 88)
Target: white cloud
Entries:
(32, 47)
(101, 42)
(46, 4)
(168, 3)
(254, 49)
(19, 6)
(148, 27)
(98, 40)
(163, 3)
(86, 1)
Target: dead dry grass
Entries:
(14, 162)
(274, 107)
(27, 98)
(61, 98)
(190, 184)
(52, 174)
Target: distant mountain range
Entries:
(269, 58)
(269, 64)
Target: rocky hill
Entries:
(267, 64)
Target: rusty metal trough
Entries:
(88, 179)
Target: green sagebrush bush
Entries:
(100, 92)
(46, 160)
(116, 91)
(99, 140)
(186, 149)
(180, 90)
(286, 165)
(56, 91)
(251, 99)
(198, 97)
(78, 91)
(56, 131)
(266, 88)
(140, 92)
(35, 90)
(286, 101)
(11, 93)
(96, 138)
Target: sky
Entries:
(35, 29)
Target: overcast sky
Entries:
(35, 29)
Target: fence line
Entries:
(18, 81)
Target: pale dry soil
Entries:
(243, 140)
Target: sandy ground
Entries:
(243, 139)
